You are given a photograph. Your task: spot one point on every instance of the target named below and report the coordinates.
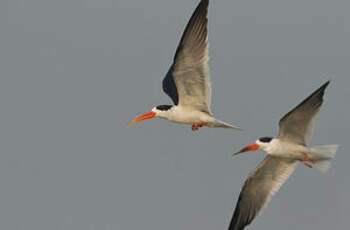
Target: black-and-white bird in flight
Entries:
(187, 82)
(283, 154)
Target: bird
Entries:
(187, 82)
(283, 154)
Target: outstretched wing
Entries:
(188, 80)
(263, 182)
(297, 125)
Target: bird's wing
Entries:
(169, 86)
(297, 125)
(263, 182)
(188, 80)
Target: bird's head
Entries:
(262, 143)
(158, 111)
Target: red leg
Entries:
(195, 126)
(307, 157)
(306, 164)
(202, 124)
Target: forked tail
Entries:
(323, 155)
(222, 124)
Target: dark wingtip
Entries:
(326, 84)
(237, 222)
(204, 2)
(323, 88)
(198, 16)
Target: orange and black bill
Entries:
(142, 117)
(248, 148)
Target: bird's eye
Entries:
(265, 139)
(163, 107)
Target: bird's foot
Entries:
(306, 164)
(195, 126)
(307, 157)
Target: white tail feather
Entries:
(323, 165)
(222, 124)
(322, 156)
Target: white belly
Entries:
(188, 116)
(286, 149)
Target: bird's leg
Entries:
(306, 164)
(203, 124)
(307, 157)
(195, 126)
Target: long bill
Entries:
(248, 148)
(142, 117)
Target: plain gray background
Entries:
(73, 73)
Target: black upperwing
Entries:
(169, 86)
(194, 40)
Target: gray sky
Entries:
(75, 72)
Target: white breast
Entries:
(187, 115)
(284, 149)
